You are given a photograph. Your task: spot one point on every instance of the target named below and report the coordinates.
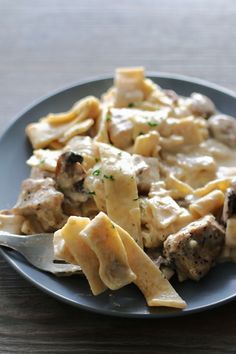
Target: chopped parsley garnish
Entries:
(152, 124)
(134, 200)
(96, 159)
(119, 154)
(42, 162)
(91, 193)
(108, 117)
(96, 172)
(112, 225)
(109, 177)
(131, 104)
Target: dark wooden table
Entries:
(48, 44)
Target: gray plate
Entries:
(218, 287)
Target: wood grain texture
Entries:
(48, 44)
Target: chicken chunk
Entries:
(120, 131)
(146, 171)
(193, 250)
(201, 105)
(41, 203)
(223, 128)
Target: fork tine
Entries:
(38, 251)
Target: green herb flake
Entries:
(96, 159)
(141, 133)
(91, 193)
(110, 177)
(131, 105)
(96, 172)
(119, 154)
(42, 162)
(152, 124)
(108, 117)
(112, 225)
(134, 200)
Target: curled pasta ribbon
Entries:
(88, 107)
(54, 126)
(221, 184)
(208, 204)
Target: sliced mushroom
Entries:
(70, 176)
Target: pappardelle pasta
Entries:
(137, 186)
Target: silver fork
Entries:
(38, 250)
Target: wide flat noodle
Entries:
(77, 129)
(81, 252)
(150, 280)
(208, 204)
(41, 134)
(121, 190)
(164, 210)
(54, 126)
(147, 144)
(221, 183)
(129, 83)
(102, 134)
(10, 222)
(105, 242)
(61, 251)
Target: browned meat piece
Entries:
(70, 176)
(40, 202)
(193, 250)
(229, 209)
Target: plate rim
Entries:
(111, 313)
(18, 117)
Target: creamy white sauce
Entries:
(227, 166)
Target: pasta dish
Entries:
(138, 186)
